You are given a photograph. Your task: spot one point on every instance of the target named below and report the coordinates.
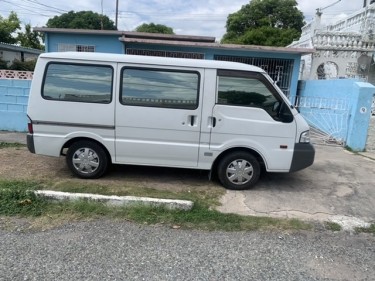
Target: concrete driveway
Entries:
(339, 187)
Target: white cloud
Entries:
(189, 17)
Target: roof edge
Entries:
(130, 34)
(301, 51)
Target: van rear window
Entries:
(78, 83)
(160, 88)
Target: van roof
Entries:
(106, 57)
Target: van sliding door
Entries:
(158, 117)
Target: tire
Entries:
(238, 170)
(87, 159)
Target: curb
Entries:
(113, 200)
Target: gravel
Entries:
(120, 250)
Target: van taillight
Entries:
(30, 127)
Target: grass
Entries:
(332, 226)
(16, 198)
(8, 144)
(370, 229)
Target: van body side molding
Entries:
(80, 125)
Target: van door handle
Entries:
(211, 122)
(192, 120)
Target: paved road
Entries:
(105, 250)
(339, 186)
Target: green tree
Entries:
(81, 20)
(266, 23)
(8, 26)
(29, 38)
(154, 28)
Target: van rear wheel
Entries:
(238, 170)
(86, 159)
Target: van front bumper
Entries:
(30, 143)
(303, 156)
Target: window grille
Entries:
(75, 48)
(161, 53)
(280, 70)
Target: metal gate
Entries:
(328, 118)
(280, 70)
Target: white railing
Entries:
(341, 41)
(306, 30)
(16, 74)
(353, 22)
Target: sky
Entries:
(187, 17)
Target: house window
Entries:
(75, 48)
(85, 48)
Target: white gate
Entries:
(328, 117)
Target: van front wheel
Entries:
(87, 159)
(238, 170)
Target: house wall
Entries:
(209, 53)
(103, 44)
(111, 44)
(340, 45)
(340, 108)
(14, 95)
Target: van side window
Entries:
(78, 83)
(160, 88)
(240, 88)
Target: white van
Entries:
(225, 117)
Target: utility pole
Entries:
(116, 14)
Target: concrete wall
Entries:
(340, 108)
(14, 96)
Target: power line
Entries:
(27, 8)
(44, 5)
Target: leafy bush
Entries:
(3, 64)
(28, 65)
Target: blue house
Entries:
(282, 64)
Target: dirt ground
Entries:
(19, 164)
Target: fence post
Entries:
(359, 121)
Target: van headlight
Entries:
(305, 137)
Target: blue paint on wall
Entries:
(361, 114)
(341, 108)
(13, 104)
(102, 43)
